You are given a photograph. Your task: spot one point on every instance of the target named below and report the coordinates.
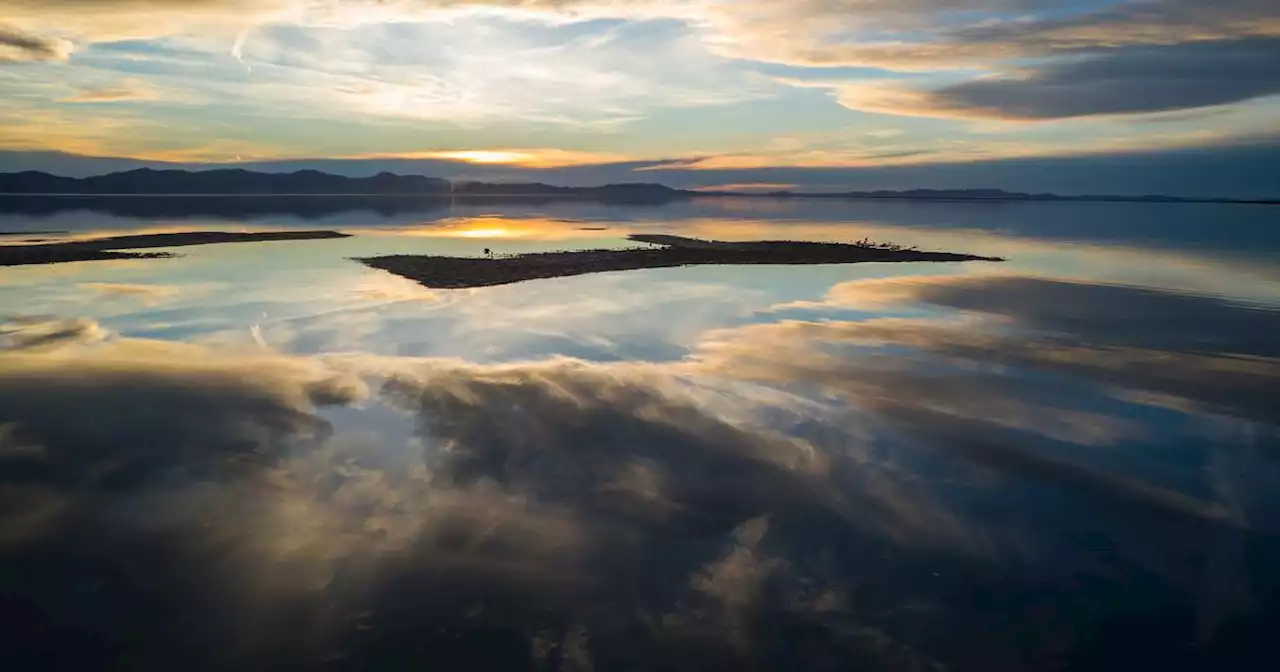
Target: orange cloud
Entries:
(125, 92)
(523, 158)
(749, 187)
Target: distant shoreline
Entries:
(1016, 198)
(99, 249)
(147, 183)
(439, 272)
(678, 195)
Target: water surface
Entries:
(260, 455)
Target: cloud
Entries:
(802, 357)
(301, 508)
(970, 414)
(94, 21)
(123, 411)
(525, 158)
(39, 333)
(1134, 23)
(1131, 80)
(569, 69)
(147, 295)
(1129, 58)
(560, 492)
(1115, 315)
(737, 580)
(595, 425)
(927, 36)
(878, 33)
(127, 91)
(1131, 338)
(17, 46)
(749, 187)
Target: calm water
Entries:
(266, 455)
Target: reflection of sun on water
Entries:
(532, 229)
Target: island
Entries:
(663, 251)
(96, 249)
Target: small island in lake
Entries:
(95, 249)
(463, 272)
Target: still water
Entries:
(266, 455)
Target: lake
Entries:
(267, 455)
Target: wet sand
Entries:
(464, 272)
(111, 248)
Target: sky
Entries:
(1128, 96)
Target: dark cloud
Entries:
(540, 508)
(990, 34)
(777, 502)
(625, 443)
(1130, 23)
(1011, 425)
(29, 333)
(979, 440)
(18, 46)
(1104, 314)
(1124, 81)
(1206, 352)
(1123, 58)
(125, 413)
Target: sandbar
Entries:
(96, 249)
(439, 272)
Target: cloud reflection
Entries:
(523, 489)
(1207, 351)
(784, 496)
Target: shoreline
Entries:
(439, 272)
(99, 249)
(675, 195)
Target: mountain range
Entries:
(239, 182)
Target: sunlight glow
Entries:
(524, 158)
(531, 229)
(482, 233)
(484, 156)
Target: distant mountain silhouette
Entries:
(171, 183)
(977, 195)
(221, 182)
(629, 193)
(237, 182)
(301, 206)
